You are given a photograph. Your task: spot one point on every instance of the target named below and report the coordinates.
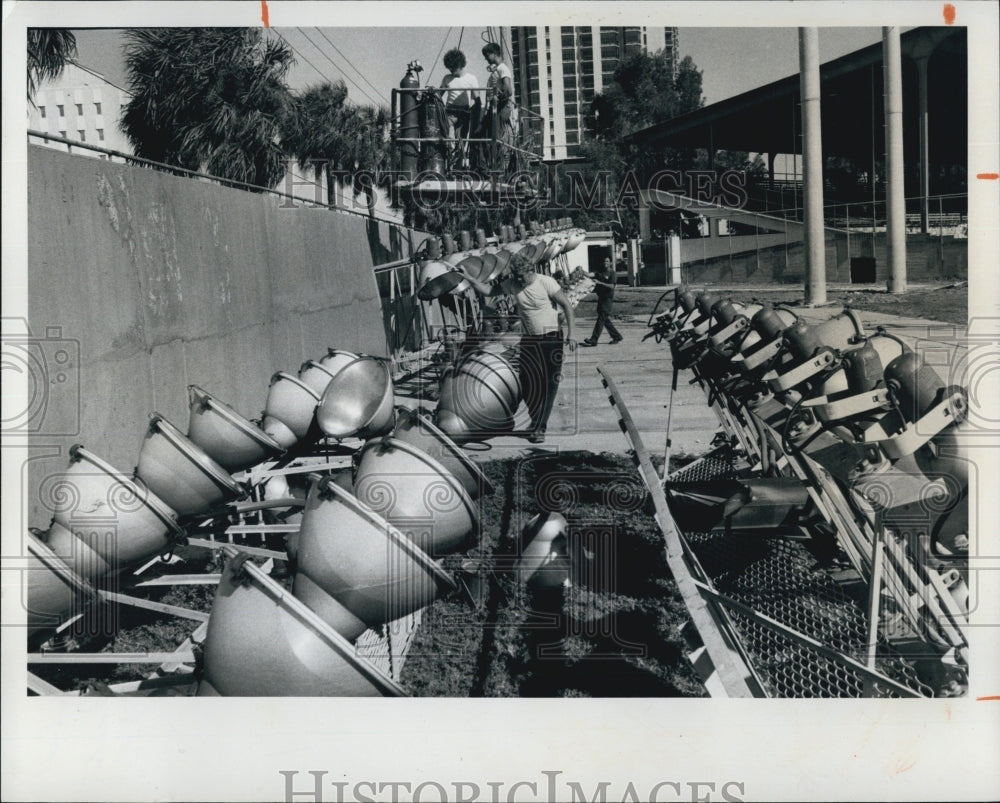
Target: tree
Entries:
(331, 135)
(49, 50)
(210, 99)
(644, 92)
(366, 133)
(311, 131)
(687, 87)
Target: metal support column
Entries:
(812, 165)
(925, 178)
(895, 198)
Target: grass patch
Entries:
(126, 629)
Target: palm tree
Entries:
(49, 50)
(332, 136)
(366, 129)
(311, 132)
(211, 99)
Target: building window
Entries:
(83, 135)
(100, 134)
(97, 108)
(62, 134)
(41, 110)
(79, 109)
(62, 110)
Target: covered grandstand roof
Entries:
(766, 119)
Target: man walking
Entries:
(605, 280)
(541, 349)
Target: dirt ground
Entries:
(614, 632)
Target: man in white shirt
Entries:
(459, 99)
(539, 299)
(501, 110)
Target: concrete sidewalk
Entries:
(583, 419)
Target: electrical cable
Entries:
(785, 445)
(337, 67)
(292, 47)
(352, 65)
(439, 55)
(504, 46)
(790, 448)
(883, 333)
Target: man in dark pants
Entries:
(541, 350)
(605, 290)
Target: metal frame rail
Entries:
(726, 659)
(528, 121)
(710, 609)
(873, 555)
(177, 668)
(140, 161)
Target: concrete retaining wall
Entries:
(159, 281)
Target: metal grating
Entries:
(778, 577)
(715, 465)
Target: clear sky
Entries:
(381, 55)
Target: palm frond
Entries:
(49, 50)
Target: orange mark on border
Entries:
(267, 23)
(992, 697)
(949, 13)
(988, 176)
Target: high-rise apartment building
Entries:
(558, 70)
(80, 105)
